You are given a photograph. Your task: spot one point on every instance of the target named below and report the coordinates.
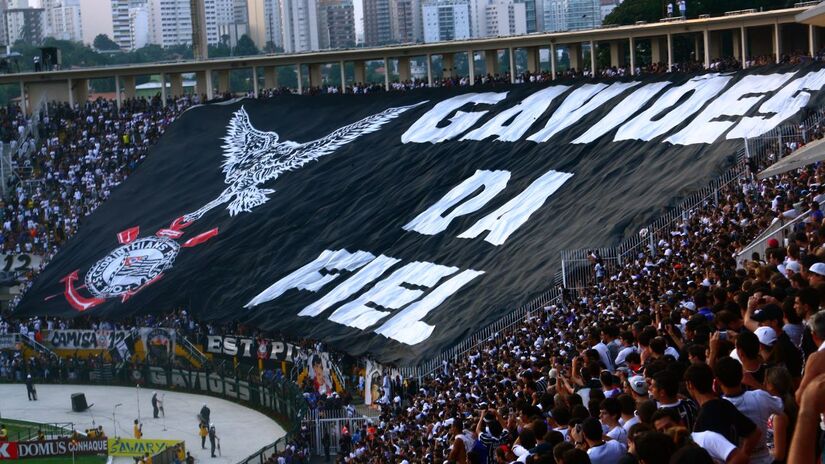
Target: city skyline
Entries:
(291, 25)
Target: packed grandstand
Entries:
(676, 353)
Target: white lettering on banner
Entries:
(663, 116)
(4, 450)
(621, 112)
(714, 120)
(510, 216)
(577, 105)
(780, 107)
(433, 221)
(390, 294)
(230, 345)
(426, 129)
(526, 114)
(308, 277)
(407, 327)
(351, 286)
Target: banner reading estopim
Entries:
(132, 447)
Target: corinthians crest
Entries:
(252, 158)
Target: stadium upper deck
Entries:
(740, 34)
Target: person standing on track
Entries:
(213, 438)
(203, 431)
(30, 388)
(155, 409)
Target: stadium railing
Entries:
(263, 454)
(755, 153)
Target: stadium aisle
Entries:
(242, 431)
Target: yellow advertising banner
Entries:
(132, 447)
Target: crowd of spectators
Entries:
(677, 356)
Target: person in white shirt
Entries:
(756, 405)
(609, 413)
(600, 451)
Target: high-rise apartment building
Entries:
(405, 21)
(336, 24)
(377, 23)
(121, 27)
(170, 22)
(583, 14)
(299, 25)
(241, 12)
(531, 11)
(264, 18)
(138, 26)
(505, 17)
(63, 19)
(446, 20)
(571, 15)
(26, 24)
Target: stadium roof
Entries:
(814, 152)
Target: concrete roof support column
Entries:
(447, 64)
(593, 58)
(811, 40)
(533, 60)
(669, 52)
(223, 81)
(632, 56)
(254, 81)
(777, 41)
(574, 53)
(553, 61)
(300, 73)
(71, 94)
(360, 72)
(615, 54)
(176, 85)
(404, 73)
(203, 84)
(511, 52)
(163, 89)
(744, 43)
(737, 45)
(706, 36)
(118, 97)
(343, 76)
(129, 87)
(386, 73)
(491, 61)
(315, 79)
(429, 70)
(471, 65)
(270, 77)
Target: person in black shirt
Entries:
(665, 389)
(784, 351)
(718, 415)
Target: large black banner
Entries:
(397, 224)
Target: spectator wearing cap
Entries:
(757, 405)
(767, 323)
(718, 415)
(599, 450)
(637, 388)
(816, 275)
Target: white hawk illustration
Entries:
(254, 157)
